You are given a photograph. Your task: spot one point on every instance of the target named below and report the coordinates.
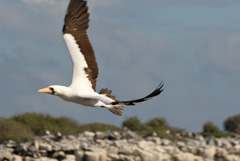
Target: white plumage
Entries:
(80, 81)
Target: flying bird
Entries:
(85, 70)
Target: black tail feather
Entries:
(156, 92)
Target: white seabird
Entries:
(85, 71)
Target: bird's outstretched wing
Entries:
(85, 70)
(154, 93)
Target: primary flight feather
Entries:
(85, 70)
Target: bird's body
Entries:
(85, 70)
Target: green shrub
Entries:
(40, 123)
(157, 123)
(210, 129)
(159, 126)
(134, 124)
(67, 126)
(97, 127)
(232, 124)
(12, 130)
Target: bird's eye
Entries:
(52, 90)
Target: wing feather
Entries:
(85, 70)
(154, 93)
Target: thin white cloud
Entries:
(92, 3)
(52, 7)
(49, 2)
(103, 3)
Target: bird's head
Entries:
(52, 90)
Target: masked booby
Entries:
(85, 70)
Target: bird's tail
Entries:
(154, 93)
(117, 109)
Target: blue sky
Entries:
(192, 45)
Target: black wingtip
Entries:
(154, 93)
(160, 86)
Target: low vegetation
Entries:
(158, 126)
(12, 130)
(232, 124)
(98, 127)
(134, 124)
(40, 123)
(26, 126)
(210, 129)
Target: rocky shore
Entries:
(122, 146)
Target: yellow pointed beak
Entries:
(45, 90)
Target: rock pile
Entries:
(121, 146)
